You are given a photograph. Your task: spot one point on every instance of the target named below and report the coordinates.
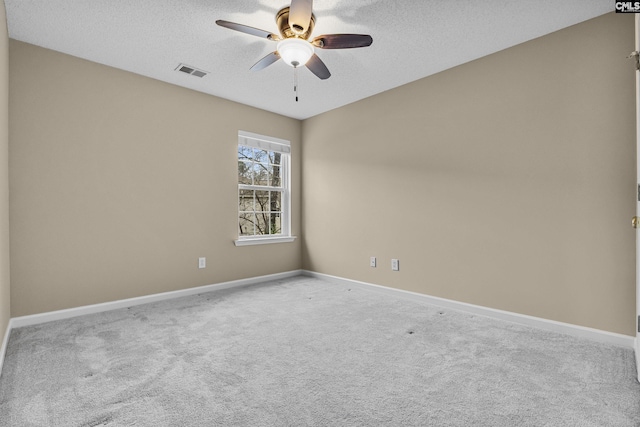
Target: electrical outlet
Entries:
(202, 262)
(372, 261)
(395, 265)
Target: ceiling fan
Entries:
(295, 24)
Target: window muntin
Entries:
(263, 187)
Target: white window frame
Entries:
(282, 146)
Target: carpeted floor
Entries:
(303, 351)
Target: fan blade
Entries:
(317, 67)
(248, 30)
(300, 15)
(266, 61)
(342, 41)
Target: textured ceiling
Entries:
(411, 39)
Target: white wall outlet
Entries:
(202, 262)
(395, 265)
(372, 261)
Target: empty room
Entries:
(329, 212)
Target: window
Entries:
(263, 190)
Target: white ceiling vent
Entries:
(188, 69)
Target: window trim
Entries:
(249, 139)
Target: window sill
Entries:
(264, 240)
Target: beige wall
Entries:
(119, 183)
(508, 182)
(4, 175)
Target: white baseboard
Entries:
(536, 322)
(522, 319)
(5, 342)
(18, 322)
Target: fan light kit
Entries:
(295, 52)
(295, 24)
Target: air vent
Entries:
(188, 69)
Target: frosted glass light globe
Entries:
(295, 52)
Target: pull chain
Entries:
(295, 82)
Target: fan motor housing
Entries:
(282, 20)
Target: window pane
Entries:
(262, 223)
(245, 199)
(260, 174)
(244, 172)
(261, 155)
(274, 176)
(275, 225)
(245, 152)
(247, 221)
(262, 201)
(275, 204)
(275, 158)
